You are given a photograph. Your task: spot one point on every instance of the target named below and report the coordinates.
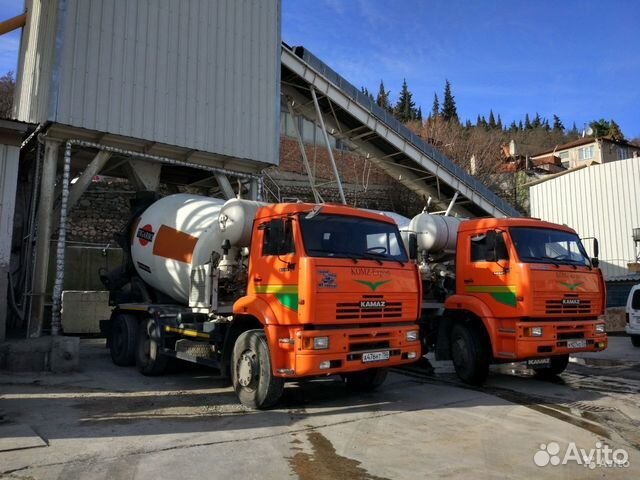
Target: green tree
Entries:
(435, 108)
(557, 124)
(492, 120)
(449, 111)
(527, 122)
(603, 128)
(383, 97)
(405, 109)
(499, 123)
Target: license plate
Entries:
(576, 343)
(375, 356)
(539, 362)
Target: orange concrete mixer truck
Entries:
(263, 293)
(500, 290)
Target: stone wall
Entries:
(104, 208)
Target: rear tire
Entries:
(469, 353)
(251, 371)
(123, 339)
(557, 365)
(148, 357)
(367, 380)
(635, 340)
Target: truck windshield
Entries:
(545, 245)
(327, 235)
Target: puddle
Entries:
(599, 362)
(325, 463)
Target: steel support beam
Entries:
(225, 186)
(326, 140)
(43, 237)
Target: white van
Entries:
(633, 315)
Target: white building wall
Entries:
(199, 74)
(601, 201)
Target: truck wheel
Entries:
(251, 373)
(635, 340)
(148, 357)
(557, 365)
(122, 344)
(367, 380)
(469, 353)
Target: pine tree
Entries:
(405, 109)
(557, 124)
(499, 122)
(366, 92)
(537, 121)
(468, 125)
(383, 97)
(492, 120)
(527, 122)
(479, 121)
(520, 127)
(419, 114)
(513, 127)
(449, 111)
(435, 109)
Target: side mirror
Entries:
(596, 248)
(595, 262)
(413, 246)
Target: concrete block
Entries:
(28, 355)
(83, 310)
(44, 354)
(615, 319)
(65, 354)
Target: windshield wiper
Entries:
(542, 259)
(332, 254)
(377, 256)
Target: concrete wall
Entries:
(9, 160)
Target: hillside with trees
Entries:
(478, 147)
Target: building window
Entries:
(585, 153)
(623, 153)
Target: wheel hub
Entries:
(246, 368)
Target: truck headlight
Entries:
(533, 331)
(600, 328)
(412, 335)
(320, 343)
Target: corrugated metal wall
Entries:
(9, 160)
(601, 201)
(199, 74)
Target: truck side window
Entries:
(277, 238)
(480, 252)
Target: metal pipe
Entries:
(326, 140)
(13, 24)
(62, 228)
(305, 161)
(453, 201)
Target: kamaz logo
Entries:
(571, 301)
(373, 304)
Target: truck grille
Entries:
(353, 311)
(555, 307)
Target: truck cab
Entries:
(524, 290)
(334, 288)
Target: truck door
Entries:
(273, 271)
(488, 274)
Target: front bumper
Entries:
(347, 347)
(516, 344)
(632, 330)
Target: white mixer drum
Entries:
(236, 221)
(173, 234)
(435, 233)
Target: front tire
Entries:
(557, 365)
(123, 339)
(469, 353)
(148, 357)
(367, 380)
(251, 373)
(635, 340)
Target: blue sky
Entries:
(576, 59)
(579, 60)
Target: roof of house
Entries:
(583, 141)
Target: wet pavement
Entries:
(110, 422)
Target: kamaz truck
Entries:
(263, 293)
(502, 290)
